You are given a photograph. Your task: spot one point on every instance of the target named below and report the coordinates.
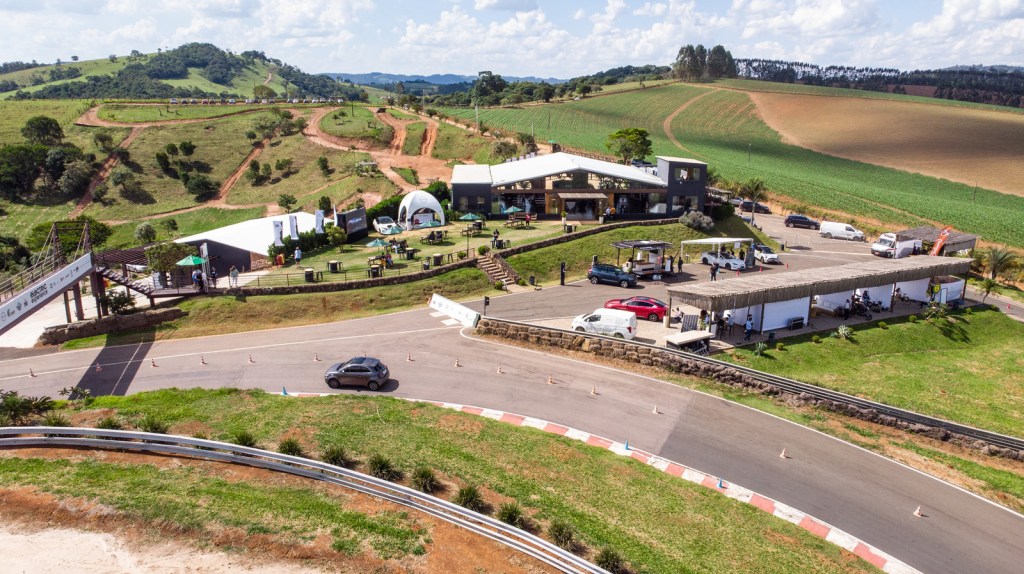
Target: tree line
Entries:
(991, 85)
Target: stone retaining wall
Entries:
(110, 324)
(674, 362)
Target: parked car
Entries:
(362, 371)
(749, 206)
(830, 229)
(638, 162)
(385, 225)
(646, 307)
(797, 220)
(765, 254)
(724, 260)
(612, 322)
(602, 272)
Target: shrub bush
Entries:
(912, 318)
(469, 497)
(483, 250)
(883, 325)
(335, 455)
(562, 534)
(244, 438)
(56, 420)
(843, 332)
(780, 346)
(424, 480)
(381, 467)
(697, 221)
(499, 285)
(760, 348)
(110, 423)
(815, 339)
(511, 513)
(291, 447)
(150, 423)
(609, 559)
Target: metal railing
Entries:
(538, 548)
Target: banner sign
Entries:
(293, 225)
(943, 236)
(278, 234)
(460, 313)
(43, 291)
(319, 221)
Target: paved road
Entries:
(859, 492)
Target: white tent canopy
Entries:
(417, 209)
(716, 241)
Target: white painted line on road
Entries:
(232, 350)
(451, 322)
(626, 373)
(436, 314)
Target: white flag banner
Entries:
(319, 221)
(293, 225)
(278, 233)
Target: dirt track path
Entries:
(103, 174)
(666, 125)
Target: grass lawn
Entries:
(129, 113)
(457, 143)
(658, 522)
(408, 174)
(221, 146)
(189, 223)
(414, 134)
(357, 122)
(966, 368)
(399, 114)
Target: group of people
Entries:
(201, 281)
(724, 323)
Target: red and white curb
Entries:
(873, 555)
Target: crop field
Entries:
(414, 134)
(724, 128)
(801, 89)
(985, 149)
(221, 146)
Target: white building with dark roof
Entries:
(583, 187)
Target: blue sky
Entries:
(523, 37)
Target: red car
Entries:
(648, 307)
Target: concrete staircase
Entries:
(497, 269)
(115, 277)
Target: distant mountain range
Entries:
(442, 79)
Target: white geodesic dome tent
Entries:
(419, 209)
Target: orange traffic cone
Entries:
(917, 512)
(316, 357)
(550, 380)
(457, 363)
(202, 360)
(408, 357)
(499, 369)
(656, 411)
(31, 373)
(250, 358)
(98, 368)
(783, 454)
(593, 390)
(152, 362)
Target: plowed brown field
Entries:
(969, 146)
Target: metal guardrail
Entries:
(517, 539)
(799, 388)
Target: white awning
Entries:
(581, 195)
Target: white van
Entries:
(612, 322)
(830, 229)
(893, 246)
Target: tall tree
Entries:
(630, 143)
(43, 130)
(997, 260)
(20, 166)
(717, 62)
(700, 62)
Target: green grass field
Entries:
(356, 122)
(414, 134)
(967, 368)
(221, 147)
(723, 129)
(399, 114)
(129, 113)
(610, 500)
(458, 144)
(189, 223)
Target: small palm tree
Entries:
(998, 260)
(987, 287)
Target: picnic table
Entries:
(471, 231)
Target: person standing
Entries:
(233, 276)
(714, 271)
(298, 256)
(748, 328)
(494, 239)
(213, 277)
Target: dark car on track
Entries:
(644, 307)
(798, 220)
(749, 206)
(362, 371)
(604, 273)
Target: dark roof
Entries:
(759, 288)
(642, 244)
(931, 234)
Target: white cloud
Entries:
(648, 9)
(508, 5)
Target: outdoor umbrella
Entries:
(470, 217)
(432, 223)
(191, 260)
(514, 209)
(377, 243)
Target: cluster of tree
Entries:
(216, 65)
(8, 67)
(278, 123)
(524, 143)
(259, 174)
(64, 73)
(695, 63)
(13, 255)
(983, 85)
(492, 90)
(630, 143)
(620, 75)
(45, 164)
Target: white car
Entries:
(724, 260)
(386, 226)
(765, 254)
